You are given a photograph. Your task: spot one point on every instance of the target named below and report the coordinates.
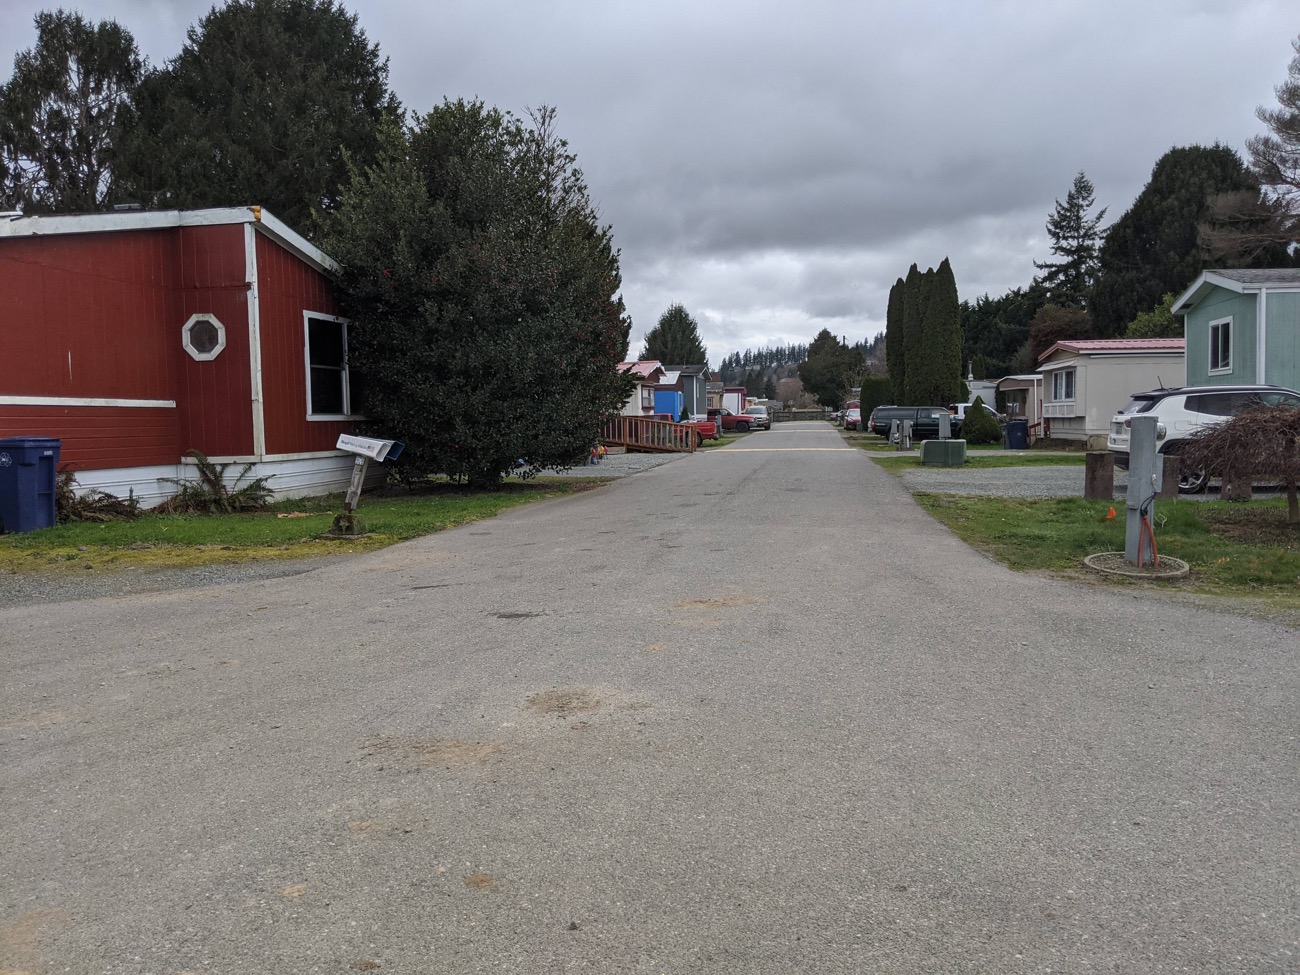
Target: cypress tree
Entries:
(913, 313)
(895, 357)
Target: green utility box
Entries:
(943, 453)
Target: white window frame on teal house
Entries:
(1219, 335)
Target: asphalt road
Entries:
(751, 711)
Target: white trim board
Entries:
(83, 401)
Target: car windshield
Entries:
(1139, 404)
(757, 410)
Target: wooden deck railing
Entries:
(639, 433)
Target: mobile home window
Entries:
(1221, 345)
(1063, 384)
(327, 367)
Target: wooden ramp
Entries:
(640, 433)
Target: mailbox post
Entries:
(364, 450)
(1145, 476)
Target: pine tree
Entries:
(267, 103)
(1154, 247)
(60, 115)
(675, 340)
(1076, 236)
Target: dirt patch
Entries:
(1254, 526)
(719, 602)
(293, 892)
(656, 648)
(41, 719)
(564, 702)
(21, 938)
(427, 752)
(479, 881)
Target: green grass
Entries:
(1239, 550)
(907, 461)
(290, 529)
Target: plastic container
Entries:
(27, 480)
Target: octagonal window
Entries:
(203, 337)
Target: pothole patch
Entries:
(564, 702)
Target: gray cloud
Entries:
(775, 167)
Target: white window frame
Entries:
(307, 317)
(212, 353)
(1059, 385)
(1219, 327)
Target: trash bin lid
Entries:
(16, 442)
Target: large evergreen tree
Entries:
(483, 296)
(915, 295)
(830, 369)
(895, 348)
(265, 104)
(675, 340)
(996, 330)
(1275, 156)
(60, 114)
(1076, 235)
(1153, 248)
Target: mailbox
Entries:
(364, 450)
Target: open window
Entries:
(329, 394)
(1221, 346)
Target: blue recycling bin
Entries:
(1018, 435)
(27, 481)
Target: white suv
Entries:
(1188, 410)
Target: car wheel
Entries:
(1193, 482)
(699, 439)
(742, 427)
(1190, 482)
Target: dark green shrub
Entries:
(210, 495)
(980, 426)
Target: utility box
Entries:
(943, 453)
(28, 466)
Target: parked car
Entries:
(925, 420)
(1185, 411)
(727, 420)
(761, 419)
(959, 411)
(852, 419)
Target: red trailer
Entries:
(133, 337)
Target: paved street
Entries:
(751, 711)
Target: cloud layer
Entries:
(774, 167)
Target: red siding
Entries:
(99, 437)
(99, 316)
(83, 316)
(215, 396)
(287, 287)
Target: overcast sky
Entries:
(775, 166)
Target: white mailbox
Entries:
(364, 449)
(370, 448)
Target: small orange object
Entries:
(1111, 513)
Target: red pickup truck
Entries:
(731, 421)
(704, 429)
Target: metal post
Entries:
(1143, 484)
(945, 425)
(359, 465)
